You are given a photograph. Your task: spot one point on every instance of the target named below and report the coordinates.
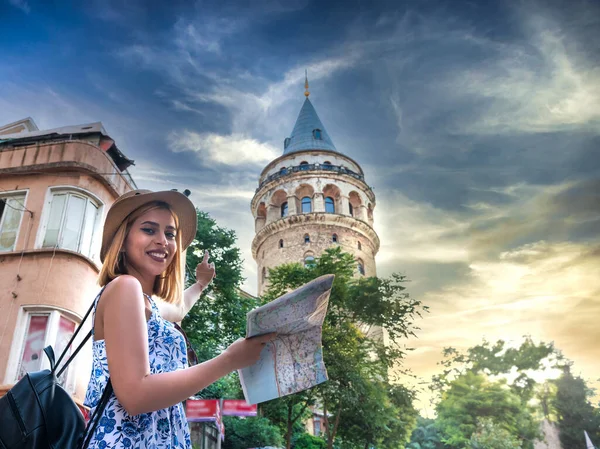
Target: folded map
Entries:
(293, 361)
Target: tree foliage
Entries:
(574, 411)
(425, 435)
(250, 432)
(357, 360)
(472, 397)
(490, 435)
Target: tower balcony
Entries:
(312, 168)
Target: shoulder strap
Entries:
(95, 418)
(81, 345)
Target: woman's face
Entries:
(150, 244)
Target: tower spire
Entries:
(306, 92)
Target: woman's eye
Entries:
(170, 235)
(148, 230)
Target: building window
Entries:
(316, 427)
(351, 209)
(334, 238)
(284, 209)
(317, 134)
(281, 243)
(327, 165)
(264, 274)
(11, 213)
(72, 222)
(283, 171)
(359, 246)
(304, 165)
(286, 142)
(361, 267)
(309, 261)
(44, 327)
(306, 238)
(306, 205)
(329, 205)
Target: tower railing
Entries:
(286, 171)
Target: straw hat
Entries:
(130, 201)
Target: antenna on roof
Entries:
(306, 92)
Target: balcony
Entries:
(287, 171)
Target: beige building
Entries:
(311, 198)
(55, 189)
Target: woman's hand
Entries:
(246, 351)
(205, 272)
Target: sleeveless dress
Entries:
(162, 429)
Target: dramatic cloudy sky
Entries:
(477, 124)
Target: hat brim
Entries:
(180, 204)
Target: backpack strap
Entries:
(81, 345)
(95, 418)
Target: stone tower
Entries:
(311, 198)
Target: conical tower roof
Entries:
(309, 133)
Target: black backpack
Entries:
(37, 413)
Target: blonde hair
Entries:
(168, 285)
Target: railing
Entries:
(307, 167)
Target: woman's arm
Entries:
(177, 312)
(126, 339)
(205, 272)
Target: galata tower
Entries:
(310, 198)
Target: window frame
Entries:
(306, 238)
(51, 338)
(306, 200)
(332, 204)
(8, 194)
(334, 238)
(281, 209)
(96, 229)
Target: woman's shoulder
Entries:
(124, 284)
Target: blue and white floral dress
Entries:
(162, 429)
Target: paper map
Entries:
(294, 360)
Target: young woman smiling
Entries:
(144, 356)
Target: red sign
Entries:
(199, 410)
(238, 407)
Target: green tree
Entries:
(307, 441)
(490, 435)
(353, 357)
(250, 432)
(219, 317)
(574, 410)
(425, 435)
(472, 397)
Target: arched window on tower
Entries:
(361, 267)
(281, 243)
(306, 205)
(359, 246)
(283, 171)
(286, 142)
(304, 165)
(351, 209)
(334, 238)
(284, 209)
(317, 134)
(329, 205)
(309, 260)
(327, 165)
(306, 238)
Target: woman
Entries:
(144, 237)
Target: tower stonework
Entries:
(309, 199)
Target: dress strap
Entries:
(95, 307)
